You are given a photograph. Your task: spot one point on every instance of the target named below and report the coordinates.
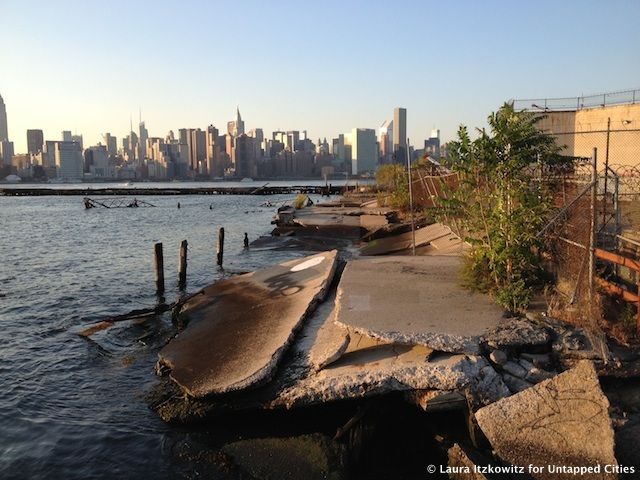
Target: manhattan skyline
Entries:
(322, 67)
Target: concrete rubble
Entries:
(395, 323)
(387, 368)
(431, 239)
(414, 301)
(561, 421)
(257, 312)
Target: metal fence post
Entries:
(592, 236)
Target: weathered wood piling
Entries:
(159, 267)
(220, 250)
(182, 265)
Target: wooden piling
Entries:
(182, 265)
(220, 252)
(159, 267)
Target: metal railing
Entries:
(577, 103)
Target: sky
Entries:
(323, 66)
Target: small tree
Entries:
(499, 204)
(393, 180)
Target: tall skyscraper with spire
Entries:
(4, 130)
(235, 128)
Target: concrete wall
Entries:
(580, 131)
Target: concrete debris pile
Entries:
(397, 323)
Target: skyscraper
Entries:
(4, 129)
(235, 128)
(198, 145)
(432, 145)
(245, 156)
(35, 140)
(144, 134)
(69, 160)
(66, 136)
(111, 142)
(400, 135)
(385, 140)
(364, 151)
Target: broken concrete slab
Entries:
(330, 344)
(308, 456)
(404, 241)
(386, 368)
(514, 333)
(373, 222)
(239, 328)
(414, 301)
(562, 421)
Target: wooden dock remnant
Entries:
(159, 267)
(115, 203)
(220, 250)
(182, 265)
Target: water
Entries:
(74, 408)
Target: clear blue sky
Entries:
(323, 66)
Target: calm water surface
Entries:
(73, 408)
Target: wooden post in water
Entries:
(159, 267)
(220, 245)
(182, 265)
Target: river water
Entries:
(75, 408)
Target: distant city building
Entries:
(66, 136)
(49, 157)
(6, 152)
(432, 144)
(35, 141)
(342, 150)
(235, 128)
(385, 141)
(4, 129)
(111, 142)
(215, 166)
(258, 134)
(279, 136)
(69, 160)
(144, 134)
(291, 140)
(400, 135)
(198, 146)
(245, 156)
(364, 151)
(96, 162)
(78, 140)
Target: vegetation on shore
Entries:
(500, 205)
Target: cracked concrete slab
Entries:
(330, 344)
(562, 421)
(403, 241)
(385, 368)
(239, 328)
(414, 301)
